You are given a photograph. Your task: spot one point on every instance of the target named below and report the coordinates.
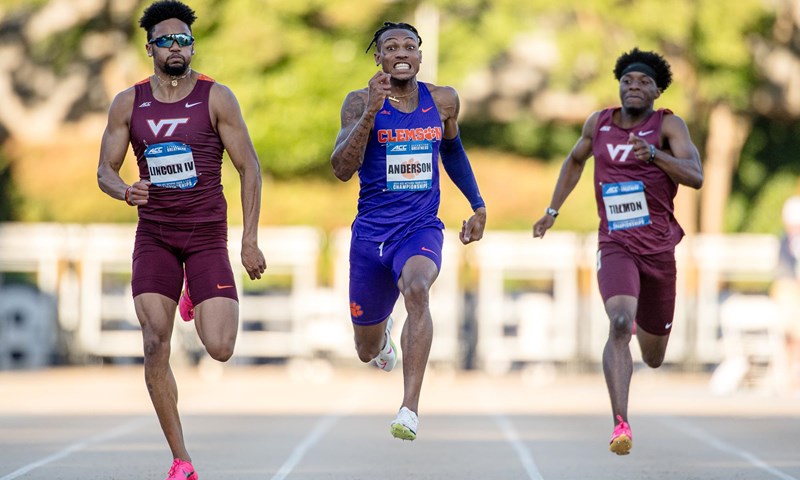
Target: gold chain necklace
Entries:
(396, 98)
(174, 81)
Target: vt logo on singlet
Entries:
(170, 123)
(619, 153)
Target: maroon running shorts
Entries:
(650, 278)
(163, 250)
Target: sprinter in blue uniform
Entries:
(393, 133)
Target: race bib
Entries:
(409, 166)
(626, 206)
(171, 165)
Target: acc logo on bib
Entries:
(171, 165)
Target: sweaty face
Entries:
(399, 54)
(173, 60)
(637, 91)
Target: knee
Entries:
(653, 359)
(366, 352)
(417, 291)
(366, 349)
(155, 345)
(221, 352)
(621, 325)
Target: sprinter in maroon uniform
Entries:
(641, 156)
(179, 122)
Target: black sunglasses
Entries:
(166, 41)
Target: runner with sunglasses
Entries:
(178, 123)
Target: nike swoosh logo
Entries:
(426, 249)
(190, 105)
(642, 134)
(189, 474)
(426, 110)
(220, 287)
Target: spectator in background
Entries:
(786, 288)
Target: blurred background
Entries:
(528, 74)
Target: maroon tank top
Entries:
(180, 152)
(634, 198)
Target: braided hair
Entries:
(376, 39)
(164, 10)
(662, 74)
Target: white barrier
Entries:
(722, 260)
(446, 302)
(272, 320)
(538, 324)
(90, 267)
(753, 345)
(529, 303)
(679, 344)
(33, 248)
(108, 324)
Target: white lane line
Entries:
(715, 442)
(101, 437)
(319, 430)
(512, 437)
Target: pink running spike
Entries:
(181, 470)
(185, 305)
(622, 439)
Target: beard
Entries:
(175, 70)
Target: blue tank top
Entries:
(399, 178)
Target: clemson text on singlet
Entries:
(399, 178)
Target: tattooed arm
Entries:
(358, 117)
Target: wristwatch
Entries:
(652, 153)
(551, 211)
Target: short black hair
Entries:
(663, 73)
(164, 10)
(392, 26)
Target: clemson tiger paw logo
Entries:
(355, 310)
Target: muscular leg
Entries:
(617, 361)
(156, 315)
(653, 347)
(415, 283)
(217, 323)
(369, 340)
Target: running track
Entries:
(312, 422)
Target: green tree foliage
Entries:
(291, 65)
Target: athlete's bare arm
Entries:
(448, 105)
(683, 165)
(227, 117)
(113, 148)
(358, 118)
(571, 171)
